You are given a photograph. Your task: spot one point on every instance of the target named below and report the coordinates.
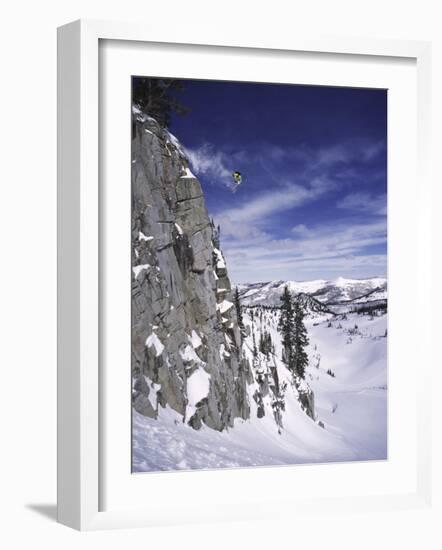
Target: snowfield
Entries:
(348, 374)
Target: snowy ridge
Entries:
(336, 292)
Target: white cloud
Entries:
(270, 203)
(364, 202)
(372, 150)
(206, 161)
(341, 238)
(300, 229)
(251, 218)
(356, 266)
(217, 165)
(318, 252)
(332, 155)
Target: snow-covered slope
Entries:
(348, 374)
(331, 293)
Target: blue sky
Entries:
(313, 200)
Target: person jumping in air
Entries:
(237, 178)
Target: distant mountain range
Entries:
(336, 295)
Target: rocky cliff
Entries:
(188, 352)
(186, 344)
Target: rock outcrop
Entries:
(186, 344)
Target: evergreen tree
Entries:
(157, 97)
(255, 349)
(294, 334)
(265, 343)
(262, 342)
(238, 310)
(301, 340)
(286, 327)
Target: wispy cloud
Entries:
(250, 218)
(340, 238)
(372, 150)
(216, 165)
(333, 155)
(327, 248)
(351, 265)
(206, 161)
(325, 239)
(285, 198)
(364, 202)
(361, 151)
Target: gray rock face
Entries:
(307, 400)
(186, 344)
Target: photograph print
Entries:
(258, 275)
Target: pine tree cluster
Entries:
(294, 334)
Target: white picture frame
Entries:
(79, 201)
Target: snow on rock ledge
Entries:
(198, 385)
(154, 341)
